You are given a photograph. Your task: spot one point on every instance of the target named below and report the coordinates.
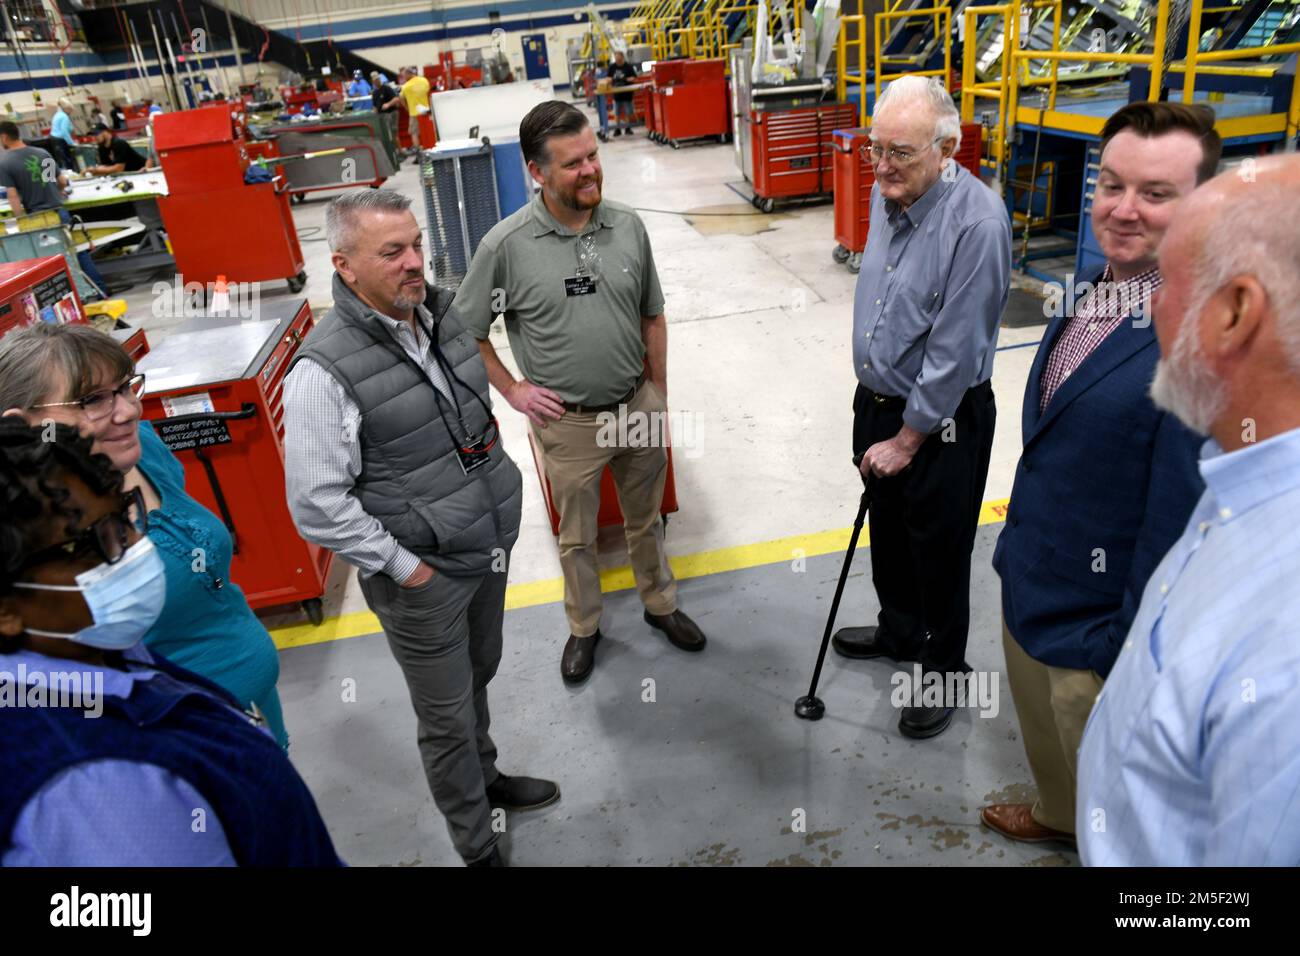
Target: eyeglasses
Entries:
(897, 157)
(100, 403)
(109, 535)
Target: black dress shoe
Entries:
(864, 644)
(922, 722)
(492, 859)
(579, 658)
(681, 630)
(522, 793)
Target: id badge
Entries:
(475, 456)
(469, 460)
(580, 285)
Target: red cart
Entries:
(214, 392)
(217, 224)
(691, 102)
(792, 150)
(33, 291)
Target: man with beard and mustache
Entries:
(1190, 757)
(393, 463)
(575, 278)
(1077, 547)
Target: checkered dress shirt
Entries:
(1098, 315)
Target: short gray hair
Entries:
(30, 359)
(341, 215)
(930, 89)
(1255, 236)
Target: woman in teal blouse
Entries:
(206, 625)
(79, 376)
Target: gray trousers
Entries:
(446, 637)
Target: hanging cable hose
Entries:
(189, 32)
(266, 36)
(329, 39)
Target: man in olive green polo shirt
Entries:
(575, 279)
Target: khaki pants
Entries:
(575, 451)
(1053, 704)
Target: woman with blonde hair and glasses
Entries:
(78, 376)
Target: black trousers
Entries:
(923, 523)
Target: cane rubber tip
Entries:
(809, 708)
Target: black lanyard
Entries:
(452, 380)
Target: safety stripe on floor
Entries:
(532, 593)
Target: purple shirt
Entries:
(112, 812)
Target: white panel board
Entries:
(495, 110)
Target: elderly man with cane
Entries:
(934, 281)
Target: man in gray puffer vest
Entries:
(394, 463)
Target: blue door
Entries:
(536, 66)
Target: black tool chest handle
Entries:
(247, 410)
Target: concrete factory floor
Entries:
(717, 769)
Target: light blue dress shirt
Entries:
(933, 284)
(61, 126)
(1192, 755)
(111, 812)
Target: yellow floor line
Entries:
(532, 593)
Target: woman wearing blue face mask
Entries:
(113, 756)
(81, 377)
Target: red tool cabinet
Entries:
(214, 392)
(853, 178)
(40, 290)
(404, 140)
(792, 150)
(218, 225)
(37, 290)
(689, 99)
(133, 341)
(653, 115)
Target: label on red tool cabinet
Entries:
(193, 433)
(195, 404)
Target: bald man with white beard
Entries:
(1190, 757)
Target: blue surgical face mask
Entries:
(125, 599)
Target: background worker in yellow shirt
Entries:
(415, 97)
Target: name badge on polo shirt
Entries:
(583, 280)
(580, 285)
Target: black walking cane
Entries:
(810, 706)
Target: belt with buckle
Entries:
(597, 409)
(885, 401)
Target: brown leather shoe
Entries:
(1016, 821)
(680, 629)
(579, 658)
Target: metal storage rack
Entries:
(460, 200)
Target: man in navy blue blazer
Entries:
(1106, 480)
